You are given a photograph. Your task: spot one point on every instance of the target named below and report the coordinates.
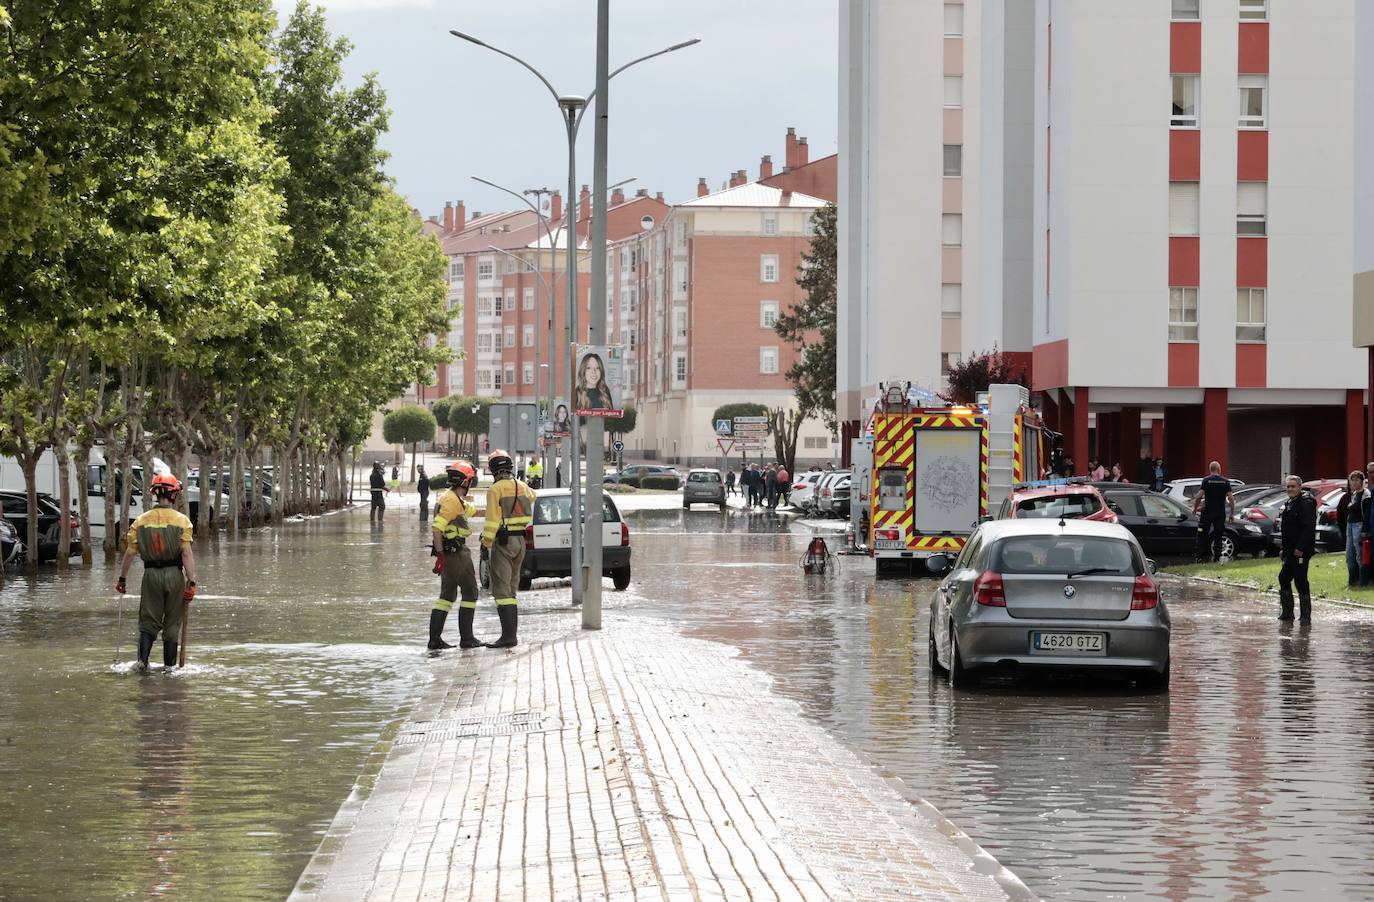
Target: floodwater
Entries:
(1253, 776)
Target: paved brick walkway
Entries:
(629, 764)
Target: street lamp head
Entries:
(572, 102)
(685, 44)
(467, 37)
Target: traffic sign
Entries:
(724, 427)
(617, 446)
(725, 444)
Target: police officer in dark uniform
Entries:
(1217, 504)
(377, 483)
(1298, 530)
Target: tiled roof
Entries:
(755, 195)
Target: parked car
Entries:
(11, 546)
(50, 514)
(703, 487)
(1069, 500)
(639, 471)
(548, 541)
(1263, 511)
(1069, 595)
(825, 492)
(1330, 535)
(1185, 489)
(839, 499)
(1166, 526)
(804, 489)
(1252, 491)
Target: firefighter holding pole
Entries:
(161, 537)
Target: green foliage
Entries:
(469, 415)
(440, 409)
(624, 424)
(810, 326)
(631, 481)
(669, 483)
(980, 370)
(438, 482)
(408, 424)
(738, 409)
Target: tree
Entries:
(441, 409)
(740, 409)
(980, 370)
(810, 325)
(409, 425)
(470, 417)
(785, 424)
(623, 424)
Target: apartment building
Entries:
(1180, 280)
(1364, 196)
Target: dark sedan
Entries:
(11, 546)
(1164, 526)
(16, 505)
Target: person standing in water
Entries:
(162, 538)
(453, 561)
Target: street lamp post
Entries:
(571, 107)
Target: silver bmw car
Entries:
(1070, 594)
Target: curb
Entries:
(983, 860)
(1230, 584)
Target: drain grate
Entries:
(468, 727)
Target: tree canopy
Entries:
(810, 325)
(973, 376)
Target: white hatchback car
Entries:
(804, 488)
(548, 541)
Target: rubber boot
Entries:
(510, 618)
(436, 629)
(1285, 604)
(145, 648)
(169, 654)
(1305, 607)
(467, 639)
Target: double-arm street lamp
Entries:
(571, 108)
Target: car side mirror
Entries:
(1154, 568)
(1114, 507)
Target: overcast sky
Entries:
(459, 110)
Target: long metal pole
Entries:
(591, 598)
(574, 457)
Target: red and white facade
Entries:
(1187, 288)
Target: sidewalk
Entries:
(630, 763)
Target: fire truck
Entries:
(937, 471)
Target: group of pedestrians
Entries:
(767, 487)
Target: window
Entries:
(496, 379)
(952, 229)
(768, 266)
(510, 336)
(768, 360)
(815, 442)
(527, 336)
(1252, 202)
(510, 374)
(527, 374)
(1250, 321)
(484, 378)
(680, 325)
(954, 20)
(455, 270)
(510, 301)
(954, 91)
(484, 306)
(529, 299)
(768, 313)
(809, 225)
(951, 299)
(1183, 314)
(954, 159)
(1183, 110)
(948, 361)
(770, 223)
(624, 300)
(680, 278)
(484, 271)
(496, 305)
(634, 298)
(1253, 91)
(624, 259)
(455, 376)
(679, 367)
(529, 265)
(680, 235)
(1184, 9)
(1254, 9)
(1183, 208)
(483, 342)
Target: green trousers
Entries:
(159, 602)
(506, 561)
(458, 575)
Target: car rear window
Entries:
(556, 509)
(703, 477)
(1055, 506)
(1066, 554)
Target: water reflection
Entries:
(1252, 776)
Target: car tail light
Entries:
(1330, 516)
(75, 524)
(1254, 513)
(798, 487)
(624, 533)
(989, 591)
(891, 535)
(529, 535)
(1145, 594)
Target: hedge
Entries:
(670, 483)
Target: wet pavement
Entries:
(1253, 776)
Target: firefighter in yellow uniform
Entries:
(510, 510)
(162, 538)
(453, 560)
(535, 471)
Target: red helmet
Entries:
(165, 484)
(460, 474)
(499, 461)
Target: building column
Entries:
(1157, 438)
(845, 436)
(1049, 408)
(1080, 431)
(1215, 420)
(1369, 420)
(1354, 429)
(1129, 428)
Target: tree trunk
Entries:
(63, 459)
(83, 498)
(114, 467)
(28, 463)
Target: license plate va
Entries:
(1069, 643)
(889, 543)
(565, 541)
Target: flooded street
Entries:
(1253, 776)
